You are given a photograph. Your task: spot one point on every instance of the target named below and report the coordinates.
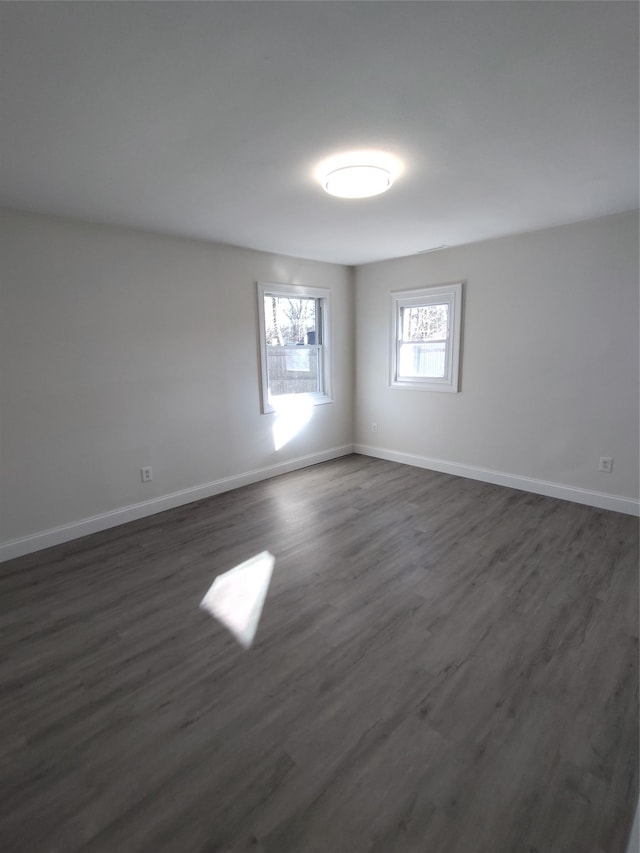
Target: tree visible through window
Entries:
(289, 321)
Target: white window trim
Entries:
(452, 295)
(317, 398)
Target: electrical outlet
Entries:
(606, 464)
(374, 427)
(146, 474)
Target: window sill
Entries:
(422, 385)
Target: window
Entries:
(425, 338)
(294, 344)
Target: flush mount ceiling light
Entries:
(357, 181)
(358, 174)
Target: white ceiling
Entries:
(207, 119)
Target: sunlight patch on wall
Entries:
(293, 413)
(236, 598)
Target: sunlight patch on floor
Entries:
(236, 598)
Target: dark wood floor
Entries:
(442, 666)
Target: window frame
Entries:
(441, 294)
(293, 291)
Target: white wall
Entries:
(120, 349)
(549, 364)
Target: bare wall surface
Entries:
(121, 349)
(549, 379)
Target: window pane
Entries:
(290, 321)
(423, 359)
(293, 369)
(293, 354)
(425, 322)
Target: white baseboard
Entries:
(601, 500)
(67, 532)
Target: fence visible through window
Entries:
(293, 369)
(423, 359)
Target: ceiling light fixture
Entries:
(358, 174)
(357, 181)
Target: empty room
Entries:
(319, 427)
